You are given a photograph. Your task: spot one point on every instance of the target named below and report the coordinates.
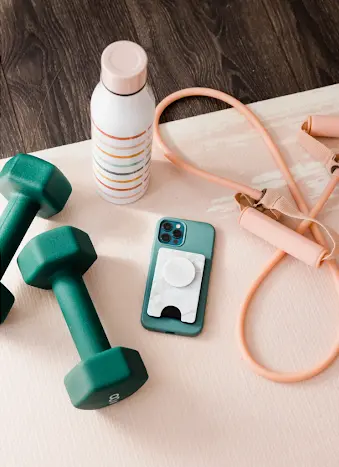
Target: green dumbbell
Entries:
(33, 187)
(57, 260)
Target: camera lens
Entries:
(177, 233)
(165, 238)
(167, 226)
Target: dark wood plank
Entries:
(51, 54)
(226, 45)
(10, 138)
(45, 39)
(309, 36)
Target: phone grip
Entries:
(322, 125)
(282, 237)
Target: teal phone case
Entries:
(199, 238)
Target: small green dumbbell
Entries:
(33, 187)
(57, 260)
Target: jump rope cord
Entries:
(261, 370)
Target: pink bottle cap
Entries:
(124, 67)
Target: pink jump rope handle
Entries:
(282, 237)
(276, 233)
(321, 125)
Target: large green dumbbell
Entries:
(33, 187)
(57, 260)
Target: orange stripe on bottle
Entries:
(117, 137)
(120, 157)
(120, 148)
(118, 189)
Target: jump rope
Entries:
(261, 213)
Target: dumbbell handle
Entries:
(80, 315)
(14, 223)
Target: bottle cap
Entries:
(124, 67)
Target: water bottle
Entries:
(122, 113)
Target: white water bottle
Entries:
(122, 113)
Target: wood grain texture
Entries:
(253, 49)
(10, 137)
(202, 406)
(308, 32)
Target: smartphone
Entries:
(178, 277)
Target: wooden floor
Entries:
(253, 49)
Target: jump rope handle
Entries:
(277, 234)
(321, 126)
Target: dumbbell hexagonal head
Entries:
(62, 248)
(106, 378)
(38, 180)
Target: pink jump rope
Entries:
(261, 210)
